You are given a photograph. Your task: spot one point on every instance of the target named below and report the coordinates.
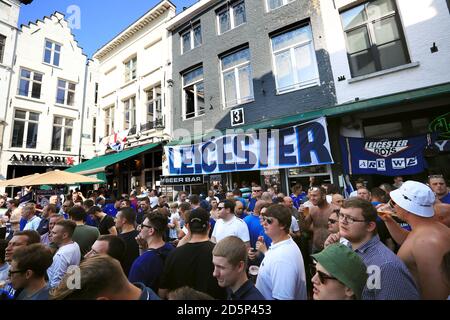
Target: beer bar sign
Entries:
(182, 180)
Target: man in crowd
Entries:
(439, 187)
(125, 224)
(256, 195)
(282, 272)
(389, 277)
(298, 196)
(46, 238)
(148, 267)
(211, 196)
(110, 245)
(230, 265)
(68, 251)
(398, 181)
(191, 264)
(427, 243)
(84, 235)
(65, 208)
(106, 224)
(102, 278)
(29, 214)
(144, 209)
(317, 219)
(229, 225)
(182, 196)
(337, 200)
(28, 270)
(363, 193)
(48, 211)
(442, 213)
(239, 210)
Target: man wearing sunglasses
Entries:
(229, 225)
(389, 278)
(282, 272)
(256, 195)
(427, 243)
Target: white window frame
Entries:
(130, 71)
(155, 103)
(191, 37)
(284, 2)
(63, 127)
(197, 112)
(297, 85)
(94, 129)
(31, 81)
(2, 47)
(131, 108)
(25, 130)
(66, 92)
(109, 120)
(52, 52)
(236, 68)
(231, 15)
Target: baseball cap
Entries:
(415, 197)
(345, 265)
(199, 217)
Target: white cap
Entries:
(415, 197)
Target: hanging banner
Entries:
(388, 157)
(303, 145)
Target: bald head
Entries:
(442, 213)
(287, 201)
(337, 199)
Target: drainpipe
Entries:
(82, 108)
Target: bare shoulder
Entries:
(436, 235)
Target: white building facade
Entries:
(47, 100)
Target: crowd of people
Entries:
(391, 242)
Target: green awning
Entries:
(98, 164)
(410, 96)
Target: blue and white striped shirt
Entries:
(389, 278)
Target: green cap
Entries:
(345, 265)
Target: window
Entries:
(26, 124)
(375, 38)
(153, 103)
(96, 93)
(94, 129)
(237, 80)
(191, 38)
(231, 16)
(130, 113)
(130, 69)
(193, 93)
(294, 59)
(52, 53)
(30, 84)
(109, 120)
(65, 93)
(62, 134)
(2, 47)
(273, 4)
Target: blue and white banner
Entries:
(388, 157)
(303, 145)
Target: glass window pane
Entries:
(362, 63)
(229, 86)
(69, 122)
(48, 44)
(72, 86)
(358, 40)
(239, 14)
(224, 21)
(272, 4)
(57, 47)
(56, 59)
(284, 72)
(306, 66)
(186, 40)
(60, 96)
(386, 30)
(58, 120)
(24, 87)
(25, 73)
(200, 97)
(290, 38)
(47, 55)
(245, 83)
(193, 76)
(189, 101)
(70, 98)
(61, 84)
(36, 90)
(353, 17)
(37, 77)
(67, 139)
(32, 134)
(20, 114)
(236, 58)
(197, 36)
(379, 8)
(56, 142)
(392, 55)
(18, 131)
(34, 116)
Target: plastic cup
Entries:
(306, 211)
(253, 273)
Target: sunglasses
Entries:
(269, 220)
(323, 277)
(220, 207)
(13, 272)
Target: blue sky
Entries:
(100, 20)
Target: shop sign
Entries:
(443, 145)
(388, 157)
(303, 145)
(441, 125)
(181, 180)
(19, 158)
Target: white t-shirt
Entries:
(66, 256)
(294, 225)
(173, 231)
(209, 199)
(282, 272)
(234, 227)
(33, 223)
(153, 201)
